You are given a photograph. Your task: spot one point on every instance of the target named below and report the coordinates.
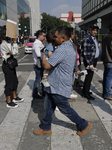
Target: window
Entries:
(3, 11)
(31, 40)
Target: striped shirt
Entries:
(60, 76)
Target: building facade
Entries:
(72, 18)
(3, 12)
(94, 9)
(24, 17)
(23, 12)
(35, 15)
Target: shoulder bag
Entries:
(12, 62)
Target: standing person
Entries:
(107, 62)
(90, 53)
(72, 32)
(78, 55)
(7, 51)
(37, 47)
(61, 65)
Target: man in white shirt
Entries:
(37, 47)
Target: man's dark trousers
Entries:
(88, 78)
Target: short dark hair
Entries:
(71, 31)
(63, 30)
(39, 32)
(110, 28)
(50, 37)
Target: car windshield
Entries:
(31, 40)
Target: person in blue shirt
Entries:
(48, 51)
(61, 65)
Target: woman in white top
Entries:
(11, 81)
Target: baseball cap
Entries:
(94, 26)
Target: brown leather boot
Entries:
(83, 132)
(72, 100)
(41, 131)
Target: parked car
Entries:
(28, 44)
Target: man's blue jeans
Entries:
(107, 80)
(53, 100)
(38, 78)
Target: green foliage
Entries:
(100, 36)
(51, 23)
(23, 23)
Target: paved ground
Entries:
(17, 125)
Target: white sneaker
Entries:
(12, 105)
(45, 83)
(56, 108)
(18, 100)
(72, 96)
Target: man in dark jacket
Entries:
(107, 61)
(90, 53)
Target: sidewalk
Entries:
(17, 125)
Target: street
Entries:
(17, 125)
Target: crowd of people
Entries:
(55, 62)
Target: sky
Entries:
(56, 7)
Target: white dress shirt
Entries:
(37, 47)
(96, 44)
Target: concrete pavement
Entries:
(17, 125)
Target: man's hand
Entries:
(78, 72)
(45, 64)
(9, 53)
(91, 67)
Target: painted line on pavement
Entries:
(102, 107)
(104, 111)
(100, 73)
(12, 127)
(22, 58)
(22, 64)
(64, 135)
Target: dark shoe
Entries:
(83, 132)
(41, 131)
(89, 97)
(90, 93)
(110, 98)
(12, 105)
(37, 96)
(18, 100)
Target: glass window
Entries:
(22, 7)
(3, 2)
(31, 40)
(23, 16)
(96, 3)
(3, 11)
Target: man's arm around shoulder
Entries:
(45, 64)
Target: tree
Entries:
(51, 23)
(24, 23)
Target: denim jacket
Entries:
(88, 49)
